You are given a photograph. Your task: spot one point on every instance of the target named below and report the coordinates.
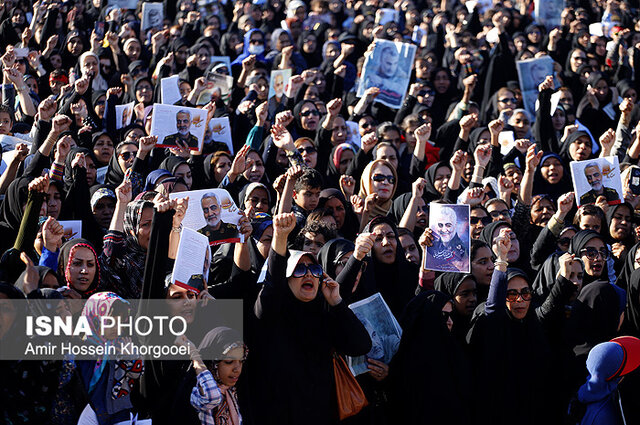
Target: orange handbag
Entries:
(351, 399)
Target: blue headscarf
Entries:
(245, 49)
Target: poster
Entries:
(221, 65)
(152, 15)
(178, 123)
(507, 141)
(548, 12)
(278, 81)
(597, 177)
(170, 89)
(124, 115)
(213, 213)
(123, 4)
(192, 259)
(9, 142)
(388, 67)
(219, 86)
(220, 130)
(354, 133)
(383, 328)
(387, 15)
(72, 229)
(531, 73)
(451, 241)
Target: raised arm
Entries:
(496, 301)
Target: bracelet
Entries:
(23, 88)
(500, 263)
(177, 229)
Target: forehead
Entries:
(209, 201)
(382, 168)
(594, 243)
(82, 253)
(517, 282)
(381, 228)
(182, 115)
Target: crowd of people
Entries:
(328, 217)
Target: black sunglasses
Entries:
(564, 241)
(301, 270)
(128, 155)
(310, 112)
(309, 150)
(476, 220)
(508, 100)
(381, 177)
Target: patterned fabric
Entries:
(205, 397)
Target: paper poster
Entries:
(451, 243)
(597, 177)
(548, 12)
(170, 89)
(507, 141)
(152, 15)
(354, 133)
(387, 15)
(383, 328)
(101, 174)
(193, 257)
(72, 229)
(173, 124)
(213, 213)
(531, 73)
(218, 86)
(388, 67)
(9, 143)
(124, 115)
(123, 4)
(221, 65)
(278, 81)
(220, 130)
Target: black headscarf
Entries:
(630, 240)
(628, 268)
(430, 192)
(43, 271)
(578, 242)
(68, 169)
(331, 252)
(430, 374)
(350, 226)
(448, 284)
(564, 147)
(486, 235)
(13, 207)
(631, 325)
(171, 163)
(297, 121)
(542, 187)
(115, 175)
(217, 343)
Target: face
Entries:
(7, 314)
(466, 298)
(411, 251)
(82, 269)
(519, 307)
(91, 171)
(304, 288)
(309, 153)
(336, 209)
(595, 265)
(594, 177)
(103, 149)
(521, 125)
(602, 89)
(211, 211)
(5, 123)
(541, 212)
(590, 222)
(478, 219)
(223, 165)
(580, 149)
(514, 252)
(90, 66)
(339, 132)
(132, 51)
(184, 171)
(126, 156)
(307, 199)
(422, 215)
(345, 160)
(441, 82)
(313, 243)
(448, 308)
(383, 188)
(144, 228)
(309, 116)
(365, 126)
(264, 244)
(229, 369)
(552, 170)
(183, 123)
(577, 274)
(507, 100)
(499, 212)
(103, 211)
(75, 46)
(54, 201)
(482, 266)
(621, 223)
(254, 167)
(182, 302)
(258, 199)
(443, 174)
(144, 92)
(446, 226)
(388, 153)
(385, 244)
(514, 175)
(577, 59)
(559, 119)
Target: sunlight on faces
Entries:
(144, 227)
(339, 132)
(384, 188)
(385, 243)
(264, 243)
(182, 302)
(313, 242)
(580, 149)
(103, 149)
(411, 251)
(590, 222)
(184, 171)
(443, 174)
(309, 116)
(126, 156)
(304, 288)
(621, 223)
(345, 160)
(521, 125)
(254, 167)
(222, 166)
(54, 201)
(593, 267)
(229, 369)
(466, 297)
(258, 199)
(519, 307)
(5, 123)
(337, 210)
(482, 266)
(542, 211)
(388, 153)
(309, 153)
(82, 270)
(514, 251)
(552, 170)
(307, 199)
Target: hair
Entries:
(216, 156)
(184, 111)
(310, 179)
(590, 210)
(316, 227)
(210, 195)
(476, 244)
(385, 145)
(411, 120)
(387, 126)
(318, 214)
(7, 110)
(478, 207)
(493, 201)
(591, 165)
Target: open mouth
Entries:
(307, 286)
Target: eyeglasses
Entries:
(564, 241)
(128, 155)
(592, 253)
(446, 315)
(302, 269)
(308, 150)
(483, 220)
(381, 177)
(366, 125)
(310, 112)
(497, 214)
(525, 294)
(508, 100)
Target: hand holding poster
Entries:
(388, 67)
(597, 177)
(532, 72)
(124, 115)
(277, 83)
(193, 259)
(548, 12)
(72, 229)
(213, 213)
(218, 87)
(383, 328)
(178, 124)
(220, 131)
(451, 245)
(152, 15)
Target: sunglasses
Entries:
(381, 177)
(496, 214)
(508, 100)
(483, 220)
(525, 294)
(302, 269)
(128, 155)
(310, 112)
(592, 253)
(309, 150)
(564, 241)
(446, 315)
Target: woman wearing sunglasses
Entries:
(302, 318)
(377, 188)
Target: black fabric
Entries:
(331, 252)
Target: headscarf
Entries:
(366, 187)
(628, 268)
(248, 190)
(12, 207)
(486, 235)
(430, 191)
(115, 175)
(153, 178)
(68, 169)
(65, 258)
(578, 242)
(260, 223)
(43, 271)
(245, 50)
(350, 226)
(543, 187)
(630, 240)
(631, 323)
(332, 252)
(564, 147)
(297, 121)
